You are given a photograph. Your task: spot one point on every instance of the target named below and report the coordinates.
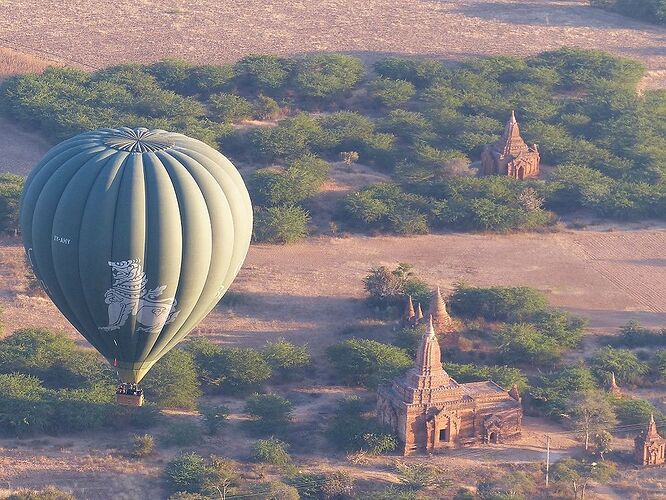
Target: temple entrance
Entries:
(492, 437)
(444, 435)
(521, 173)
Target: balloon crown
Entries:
(139, 140)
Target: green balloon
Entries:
(135, 235)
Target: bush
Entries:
(11, 187)
(523, 343)
(229, 107)
(291, 139)
(367, 362)
(634, 335)
(271, 451)
(497, 303)
(419, 476)
(338, 485)
(214, 416)
(325, 76)
(281, 224)
(504, 376)
(183, 434)
(286, 359)
(189, 473)
(233, 369)
(624, 363)
(390, 288)
(264, 73)
(552, 391)
(271, 413)
(391, 93)
(52, 358)
(142, 445)
(275, 490)
(172, 382)
(635, 411)
(266, 108)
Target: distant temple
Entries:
(430, 411)
(649, 446)
(613, 388)
(441, 320)
(511, 155)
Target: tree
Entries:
(388, 287)
(11, 187)
(391, 93)
(552, 391)
(602, 443)
(271, 451)
(420, 476)
(325, 76)
(623, 362)
(576, 475)
(524, 343)
(281, 224)
(214, 416)
(189, 472)
(271, 413)
(367, 362)
(265, 73)
(229, 107)
(497, 303)
(173, 382)
(287, 359)
(591, 413)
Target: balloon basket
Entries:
(129, 395)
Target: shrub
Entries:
(22, 409)
(233, 369)
(52, 358)
(659, 364)
(634, 335)
(338, 485)
(325, 76)
(308, 484)
(281, 224)
(208, 79)
(635, 411)
(271, 451)
(271, 413)
(504, 376)
(523, 343)
(390, 287)
(189, 473)
(419, 476)
(291, 139)
(286, 359)
(552, 391)
(624, 363)
(367, 362)
(497, 303)
(229, 107)
(183, 434)
(143, 445)
(172, 382)
(265, 73)
(214, 416)
(266, 108)
(274, 490)
(11, 187)
(391, 93)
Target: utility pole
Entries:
(547, 457)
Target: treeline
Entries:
(420, 121)
(652, 11)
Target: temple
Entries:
(613, 388)
(430, 411)
(511, 155)
(649, 446)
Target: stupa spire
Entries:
(440, 317)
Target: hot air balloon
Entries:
(135, 235)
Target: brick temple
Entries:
(649, 446)
(511, 155)
(430, 411)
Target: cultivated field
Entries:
(101, 33)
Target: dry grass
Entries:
(13, 62)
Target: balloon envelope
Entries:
(135, 235)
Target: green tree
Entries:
(229, 107)
(591, 413)
(271, 451)
(635, 411)
(391, 93)
(574, 475)
(552, 391)
(214, 416)
(497, 303)
(264, 73)
(367, 362)
(286, 359)
(271, 413)
(627, 367)
(390, 287)
(281, 224)
(189, 472)
(173, 382)
(11, 187)
(325, 76)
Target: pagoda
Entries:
(511, 155)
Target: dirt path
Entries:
(20, 150)
(104, 33)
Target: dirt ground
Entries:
(93, 35)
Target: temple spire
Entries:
(437, 309)
(652, 428)
(613, 388)
(419, 313)
(409, 314)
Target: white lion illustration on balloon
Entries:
(128, 296)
